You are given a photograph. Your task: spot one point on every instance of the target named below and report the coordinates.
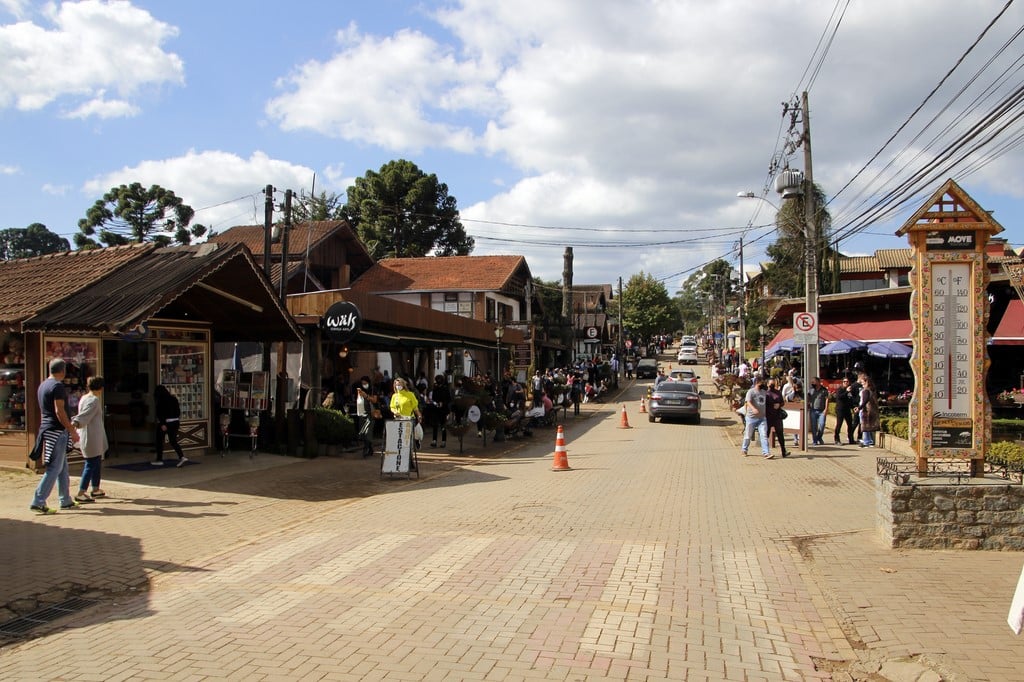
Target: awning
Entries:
(868, 332)
(1010, 331)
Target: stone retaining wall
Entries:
(975, 515)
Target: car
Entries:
(647, 368)
(687, 375)
(674, 399)
(687, 355)
(688, 341)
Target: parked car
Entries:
(687, 375)
(687, 355)
(647, 368)
(674, 399)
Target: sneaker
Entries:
(743, 452)
(157, 462)
(83, 497)
(785, 454)
(768, 455)
(444, 444)
(73, 505)
(433, 443)
(182, 462)
(42, 509)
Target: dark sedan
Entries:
(675, 399)
(647, 368)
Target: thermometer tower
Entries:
(950, 417)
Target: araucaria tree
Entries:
(403, 212)
(132, 214)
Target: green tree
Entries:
(785, 273)
(34, 240)
(131, 214)
(401, 211)
(701, 298)
(321, 206)
(648, 309)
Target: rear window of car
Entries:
(648, 362)
(676, 387)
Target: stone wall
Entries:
(975, 515)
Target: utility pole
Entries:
(740, 308)
(283, 284)
(268, 225)
(811, 241)
(621, 348)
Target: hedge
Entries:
(1003, 452)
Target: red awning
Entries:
(868, 332)
(1010, 331)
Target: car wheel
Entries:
(696, 419)
(650, 417)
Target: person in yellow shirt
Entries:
(404, 403)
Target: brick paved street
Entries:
(662, 555)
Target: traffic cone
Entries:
(643, 405)
(561, 461)
(624, 422)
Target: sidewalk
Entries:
(662, 555)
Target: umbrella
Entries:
(786, 346)
(889, 349)
(841, 347)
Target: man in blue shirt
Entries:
(56, 431)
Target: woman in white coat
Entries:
(89, 422)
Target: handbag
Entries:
(417, 432)
(783, 414)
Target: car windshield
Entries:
(648, 363)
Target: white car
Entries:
(687, 376)
(687, 355)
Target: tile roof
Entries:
(440, 273)
(32, 284)
(893, 259)
(859, 264)
(298, 236)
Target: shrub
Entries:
(332, 427)
(1006, 453)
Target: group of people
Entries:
(59, 432)
(856, 407)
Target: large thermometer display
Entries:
(952, 356)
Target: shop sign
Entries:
(342, 322)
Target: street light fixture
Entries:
(499, 332)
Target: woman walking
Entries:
(366, 404)
(89, 422)
(440, 401)
(867, 411)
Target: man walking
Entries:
(55, 431)
(755, 418)
(844, 412)
(817, 408)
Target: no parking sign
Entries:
(805, 328)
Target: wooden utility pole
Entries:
(811, 244)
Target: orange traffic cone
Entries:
(643, 405)
(624, 422)
(561, 462)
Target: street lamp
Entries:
(760, 328)
(499, 332)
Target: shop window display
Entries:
(12, 383)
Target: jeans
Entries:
(868, 438)
(844, 417)
(91, 473)
(817, 426)
(761, 425)
(56, 471)
(172, 438)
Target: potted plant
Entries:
(331, 428)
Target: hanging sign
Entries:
(342, 322)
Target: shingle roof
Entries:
(440, 273)
(213, 282)
(32, 284)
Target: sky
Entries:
(622, 128)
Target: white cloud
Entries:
(102, 108)
(88, 48)
(6, 169)
(224, 189)
(17, 8)
(56, 190)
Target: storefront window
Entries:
(82, 357)
(12, 382)
(183, 371)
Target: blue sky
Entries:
(622, 128)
